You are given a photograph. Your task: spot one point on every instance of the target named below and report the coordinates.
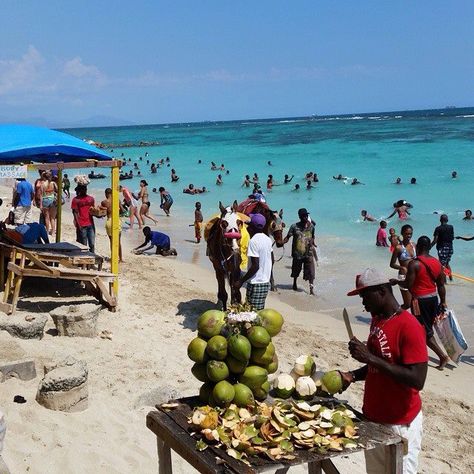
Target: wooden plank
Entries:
(59, 272)
(394, 458)
(105, 292)
(179, 440)
(328, 467)
(165, 465)
(33, 258)
(76, 165)
(314, 468)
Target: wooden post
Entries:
(59, 205)
(165, 465)
(114, 258)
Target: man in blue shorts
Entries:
(156, 239)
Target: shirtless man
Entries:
(107, 204)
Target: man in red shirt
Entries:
(81, 205)
(395, 366)
(425, 280)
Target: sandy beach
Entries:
(145, 362)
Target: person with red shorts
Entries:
(395, 362)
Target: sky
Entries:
(154, 61)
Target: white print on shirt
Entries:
(384, 345)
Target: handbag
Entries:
(450, 334)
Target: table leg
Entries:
(282, 470)
(314, 467)
(394, 457)
(164, 458)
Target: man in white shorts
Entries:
(22, 198)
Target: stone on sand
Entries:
(76, 320)
(29, 326)
(64, 386)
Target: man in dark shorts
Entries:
(302, 250)
(443, 239)
(156, 239)
(425, 280)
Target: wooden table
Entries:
(62, 261)
(173, 432)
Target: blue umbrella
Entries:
(24, 143)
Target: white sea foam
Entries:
(465, 116)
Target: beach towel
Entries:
(450, 334)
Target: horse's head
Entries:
(276, 226)
(230, 224)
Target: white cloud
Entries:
(77, 69)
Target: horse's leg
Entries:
(235, 295)
(221, 291)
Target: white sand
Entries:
(160, 300)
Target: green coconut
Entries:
(263, 355)
(235, 366)
(197, 350)
(272, 367)
(254, 376)
(271, 320)
(217, 347)
(258, 336)
(223, 393)
(210, 323)
(217, 370)
(261, 392)
(284, 386)
(205, 391)
(200, 372)
(243, 396)
(331, 382)
(239, 347)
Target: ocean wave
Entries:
(465, 116)
(292, 121)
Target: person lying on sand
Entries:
(155, 239)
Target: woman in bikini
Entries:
(404, 252)
(48, 203)
(144, 197)
(133, 206)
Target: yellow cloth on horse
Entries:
(215, 218)
(244, 245)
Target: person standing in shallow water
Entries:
(303, 250)
(443, 239)
(198, 220)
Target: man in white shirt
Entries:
(260, 254)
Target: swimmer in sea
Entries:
(467, 215)
(339, 177)
(413, 181)
(270, 182)
(174, 176)
(355, 181)
(367, 216)
(255, 178)
(309, 185)
(401, 208)
(296, 188)
(213, 166)
(398, 181)
(246, 182)
(288, 179)
(269, 163)
(393, 238)
(219, 180)
(315, 178)
(454, 174)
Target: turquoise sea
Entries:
(376, 148)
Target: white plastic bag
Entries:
(450, 335)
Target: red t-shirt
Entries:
(82, 205)
(424, 283)
(402, 341)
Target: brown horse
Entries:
(224, 252)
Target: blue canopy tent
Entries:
(22, 143)
(42, 148)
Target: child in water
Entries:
(393, 239)
(381, 240)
